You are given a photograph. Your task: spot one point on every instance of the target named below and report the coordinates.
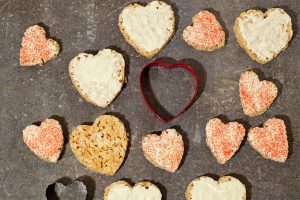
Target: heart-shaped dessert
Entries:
(46, 140)
(102, 146)
(73, 190)
(206, 33)
(263, 35)
(256, 96)
(141, 191)
(206, 188)
(148, 29)
(270, 140)
(224, 139)
(99, 78)
(165, 65)
(36, 48)
(164, 151)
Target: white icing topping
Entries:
(100, 76)
(208, 189)
(149, 27)
(122, 192)
(265, 36)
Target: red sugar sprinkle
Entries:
(36, 48)
(256, 95)
(224, 139)
(206, 31)
(45, 141)
(271, 140)
(165, 150)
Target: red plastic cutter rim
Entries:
(163, 64)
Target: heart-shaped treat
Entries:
(74, 189)
(36, 48)
(165, 65)
(270, 140)
(102, 146)
(164, 151)
(99, 78)
(206, 33)
(148, 29)
(206, 188)
(141, 191)
(46, 140)
(263, 35)
(256, 96)
(224, 139)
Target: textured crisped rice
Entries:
(256, 96)
(46, 141)
(224, 139)
(36, 48)
(164, 151)
(270, 140)
(206, 33)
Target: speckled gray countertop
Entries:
(32, 94)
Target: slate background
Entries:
(32, 94)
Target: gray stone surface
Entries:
(32, 94)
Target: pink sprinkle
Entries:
(271, 140)
(165, 150)
(46, 141)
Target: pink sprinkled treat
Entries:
(224, 139)
(36, 48)
(164, 151)
(256, 96)
(206, 33)
(46, 141)
(271, 140)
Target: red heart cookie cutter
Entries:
(163, 64)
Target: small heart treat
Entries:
(206, 188)
(148, 29)
(36, 48)
(164, 151)
(141, 191)
(206, 33)
(99, 78)
(224, 139)
(256, 96)
(46, 140)
(102, 146)
(263, 35)
(270, 140)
